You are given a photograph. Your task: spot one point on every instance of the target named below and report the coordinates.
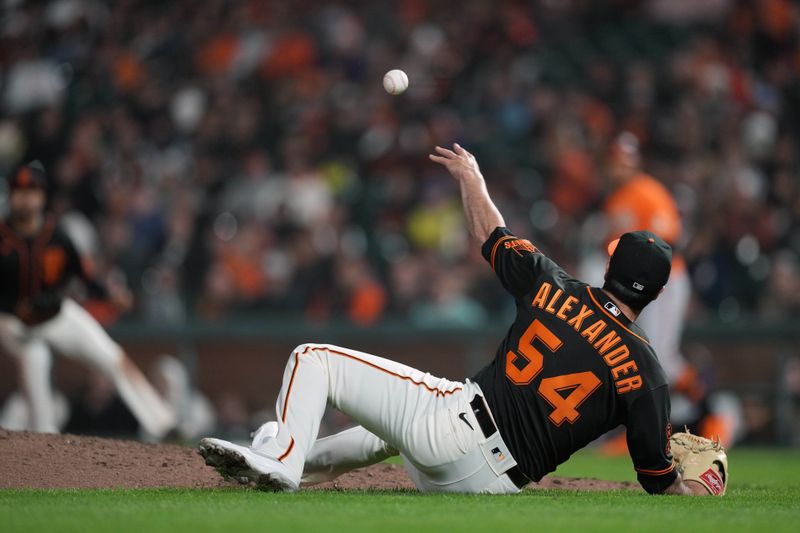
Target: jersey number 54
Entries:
(524, 364)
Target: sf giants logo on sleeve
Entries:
(518, 244)
(712, 481)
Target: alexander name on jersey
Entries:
(609, 346)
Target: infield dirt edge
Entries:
(45, 461)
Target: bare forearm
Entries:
(481, 214)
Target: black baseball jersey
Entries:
(571, 368)
(35, 272)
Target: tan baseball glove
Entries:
(702, 460)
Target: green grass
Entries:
(749, 467)
(764, 495)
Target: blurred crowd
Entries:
(233, 157)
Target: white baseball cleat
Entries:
(234, 461)
(268, 430)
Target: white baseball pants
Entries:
(428, 420)
(74, 333)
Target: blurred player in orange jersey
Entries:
(640, 202)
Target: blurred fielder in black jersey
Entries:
(38, 261)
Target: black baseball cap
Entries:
(640, 261)
(30, 176)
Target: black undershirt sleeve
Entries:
(648, 431)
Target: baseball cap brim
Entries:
(612, 246)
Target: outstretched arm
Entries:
(481, 213)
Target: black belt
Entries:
(488, 427)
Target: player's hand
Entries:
(120, 297)
(460, 163)
(701, 462)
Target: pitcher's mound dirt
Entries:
(36, 460)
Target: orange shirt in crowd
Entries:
(643, 203)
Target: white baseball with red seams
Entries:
(395, 81)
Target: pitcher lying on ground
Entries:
(572, 366)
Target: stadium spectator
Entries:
(242, 156)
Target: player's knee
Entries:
(308, 347)
(300, 349)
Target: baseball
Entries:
(395, 81)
